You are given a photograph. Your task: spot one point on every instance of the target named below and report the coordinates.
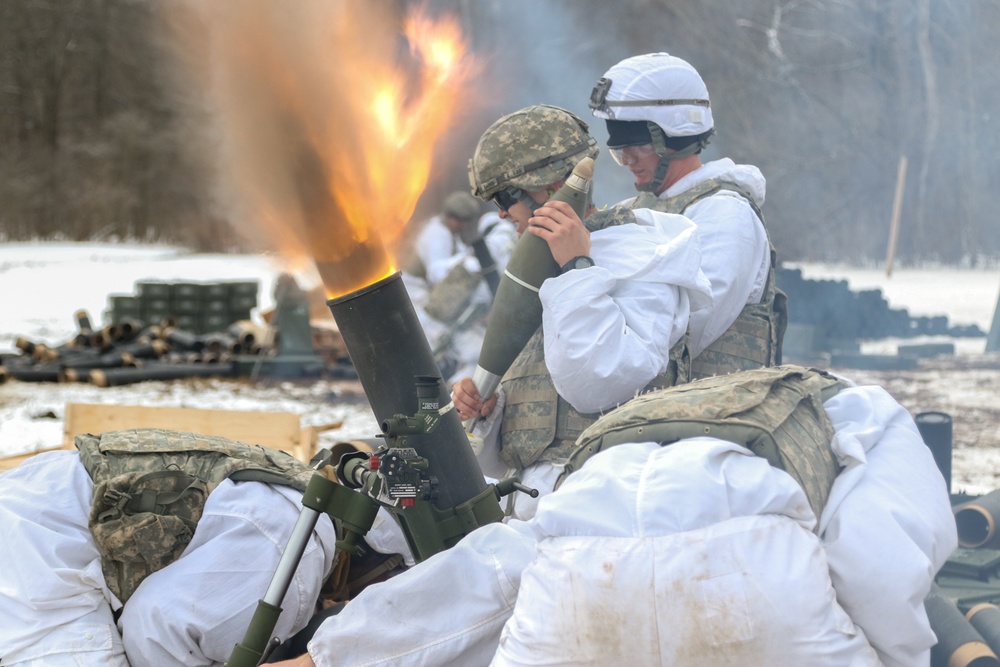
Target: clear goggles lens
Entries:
(626, 155)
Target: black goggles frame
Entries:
(505, 198)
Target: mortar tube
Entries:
(389, 351)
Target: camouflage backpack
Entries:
(150, 487)
(776, 412)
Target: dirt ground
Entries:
(964, 387)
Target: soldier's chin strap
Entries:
(667, 156)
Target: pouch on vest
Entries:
(777, 413)
(150, 488)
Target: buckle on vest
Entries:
(117, 501)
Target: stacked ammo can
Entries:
(195, 307)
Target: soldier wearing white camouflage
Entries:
(737, 520)
(613, 321)
(659, 118)
(149, 547)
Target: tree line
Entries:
(826, 98)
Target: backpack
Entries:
(150, 488)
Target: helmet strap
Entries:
(523, 197)
(666, 156)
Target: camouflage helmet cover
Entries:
(529, 149)
(461, 205)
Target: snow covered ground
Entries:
(44, 284)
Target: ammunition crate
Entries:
(242, 288)
(218, 291)
(124, 307)
(216, 322)
(195, 307)
(188, 323)
(186, 291)
(186, 306)
(150, 290)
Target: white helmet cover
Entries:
(658, 88)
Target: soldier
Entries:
(102, 564)
(613, 321)
(659, 118)
(443, 237)
(445, 280)
(779, 516)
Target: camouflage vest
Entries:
(777, 413)
(540, 425)
(754, 339)
(447, 300)
(150, 487)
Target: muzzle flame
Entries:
(328, 116)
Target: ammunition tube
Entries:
(102, 339)
(389, 350)
(113, 377)
(977, 521)
(75, 375)
(959, 644)
(242, 333)
(113, 360)
(935, 429)
(216, 343)
(181, 340)
(82, 318)
(35, 373)
(125, 330)
(985, 618)
(145, 349)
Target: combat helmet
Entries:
(655, 98)
(529, 150)
(462, 206)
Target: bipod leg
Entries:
(258, 643)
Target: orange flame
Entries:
(327, 129)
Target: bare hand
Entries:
(468, 402)
(556, 223)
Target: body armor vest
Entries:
(754, 339)
(540, 425)
(777, 413)
(150, 487)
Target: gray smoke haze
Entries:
(824, 97)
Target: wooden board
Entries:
(272, 429)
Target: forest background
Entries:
(826, 97)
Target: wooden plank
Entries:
(272, 429)
(279, 430)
